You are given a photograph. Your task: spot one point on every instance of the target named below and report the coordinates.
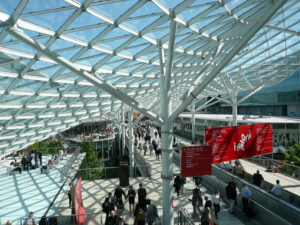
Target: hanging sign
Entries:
(231, 143)
(195, 161)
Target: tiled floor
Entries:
(29, 191)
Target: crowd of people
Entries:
(148, 145)
(143, 211)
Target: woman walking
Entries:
(131, 198)
(216, 199)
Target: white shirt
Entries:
(12, 167)
(277, 190)
(216, 199)
(246, 193)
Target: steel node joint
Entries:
(166, 150)
(167, 177)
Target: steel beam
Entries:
(123, 128)
(92, 78)
(170, 54)
(251, 32)
(130, 147)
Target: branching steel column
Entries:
(170, 54)
(123, 129)
(92, 78)
(234, 114)
(193, 121)
(167, 155)
(166, 135)
(130, 147)
(252, 31)
(119, 130)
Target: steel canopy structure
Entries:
(67, 62)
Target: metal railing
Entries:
(184, 218)
(284, 168)
(143, 164)
(67, 171)
(89, 219)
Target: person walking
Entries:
(231, 192)
(30, 220)
(257, 178)
(131, 198)
(277, 189)
(118, 193)
(208, 202)
(145, 148)
(140, 148)
(150, 148)
(196, 200)
(151, 213)
(246, 194)
(40, 156)
(142, 194)
(108, 205)
(216, 199)
(177, 184)
(70, 194)
(140, 218)
(206, 218)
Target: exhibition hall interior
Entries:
(163, 112)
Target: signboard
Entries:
(231, 143)
(195, 161)
(79, 209)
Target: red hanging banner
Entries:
(79, 209)
(231, 143)
(195, 161)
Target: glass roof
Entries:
(224, 45)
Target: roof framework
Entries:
(86, 57)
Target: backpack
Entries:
(105, 206)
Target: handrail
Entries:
(143, 165)
(97, 218)
(278, 161)
(284, 168)
(184, 218)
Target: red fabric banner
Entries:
(195, 161)
(79, 209)
(231, 143)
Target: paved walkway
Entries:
(29, 191)
(289, 184)
(94, 193)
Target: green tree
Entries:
(90, 161)
(293, 155)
